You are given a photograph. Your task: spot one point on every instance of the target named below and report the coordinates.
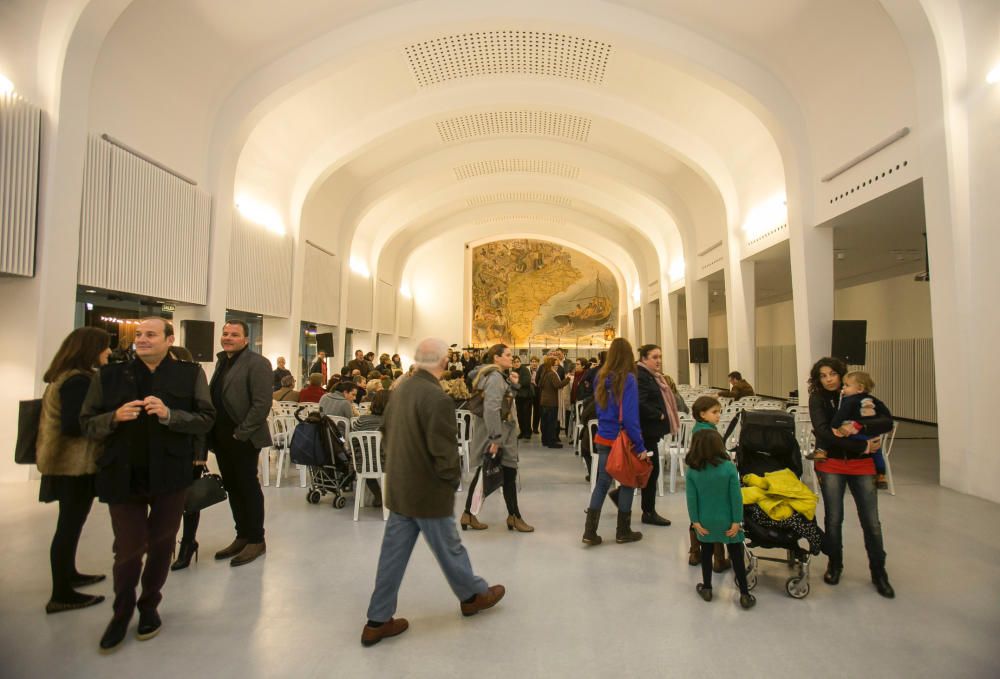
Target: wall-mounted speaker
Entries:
(698, 350)
(849, 341)
(199, 338)
(324, 342)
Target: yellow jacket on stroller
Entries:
(779, 494)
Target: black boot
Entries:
(832, 575)
(184, 554)
(881, 582)
(625, 532)
(654, 519)
(590, 535)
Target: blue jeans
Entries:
(604, 482)
(397, 545)
(833, 487)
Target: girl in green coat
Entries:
(715, 506)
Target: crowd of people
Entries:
(136, 433)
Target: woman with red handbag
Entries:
(617, 397)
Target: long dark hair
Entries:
(617, 367)
(834, 364)
(79, 351)
(706, 448)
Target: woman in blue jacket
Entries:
(617, 396)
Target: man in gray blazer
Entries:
(241, 393)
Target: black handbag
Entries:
(204, 492)
(29, 416)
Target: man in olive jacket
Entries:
(422, 474)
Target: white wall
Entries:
(436, 272)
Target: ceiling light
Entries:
(6, 86)
(841, 255)
(405, 291)
(636, 293)
(677, 270)
(359, 267)
(993, 77)
(261, 214)
(90, 291)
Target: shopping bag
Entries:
(490, 478)
(28, 417)
(623, 465)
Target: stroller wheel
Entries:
(797, 588)
(313, 496)
(339, 502)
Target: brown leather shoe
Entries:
(393, 626)
(487, 599)
(249, 553)
(232, 550)
(470, 521)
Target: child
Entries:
(706, 411)
(857, 403)
(715, 505)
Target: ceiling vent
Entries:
(508, 123)
(506, 219)
(520, 197)
(483, 168)
(467, 55)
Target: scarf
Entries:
(668, 399)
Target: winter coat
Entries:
(491, 427)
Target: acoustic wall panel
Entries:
(321, 286)
(20, 139)
(143, 230)
(359, 302)
(405, 316)
(903, 371)
(385, 316)
(260, 270)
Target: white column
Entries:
(811, 252)
(668, 330)
(740, 313)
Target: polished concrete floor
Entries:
(612, 610)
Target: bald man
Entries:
(423, 474)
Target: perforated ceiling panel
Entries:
(466, 55)
(506, 219)
(506, 123)
(487, 167)
(520, 196)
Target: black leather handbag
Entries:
(205, 491)
(28, 417)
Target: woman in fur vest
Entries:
(67, 460)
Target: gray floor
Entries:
(613, 610)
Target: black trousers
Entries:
(649, 491)
(536, 412)
(509, 490)
(73, 513)
(735, 556)
(524, 408)
(238, 466)
(550, 425)
(144, 525)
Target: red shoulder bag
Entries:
(624, 466)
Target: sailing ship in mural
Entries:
(530, 292)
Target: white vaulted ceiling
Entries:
(653, 125)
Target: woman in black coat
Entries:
(848, 465)
(525, 398)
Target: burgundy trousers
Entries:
(144, 525)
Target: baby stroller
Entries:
(317, 443)
(767, 443)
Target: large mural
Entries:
(533, 292)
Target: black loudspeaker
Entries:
(199, 339)
(849, 341)
(324, 342)
(698, 350)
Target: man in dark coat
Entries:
(148, 412)
(241, 393)
(422, 474)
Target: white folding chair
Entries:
(366, 446)
(887, 441)
(285, 428)
(264, 464)
(577, 427)
(463, 418)
(678, 447)
(807, 444)
(594, 457)
(343, 424)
